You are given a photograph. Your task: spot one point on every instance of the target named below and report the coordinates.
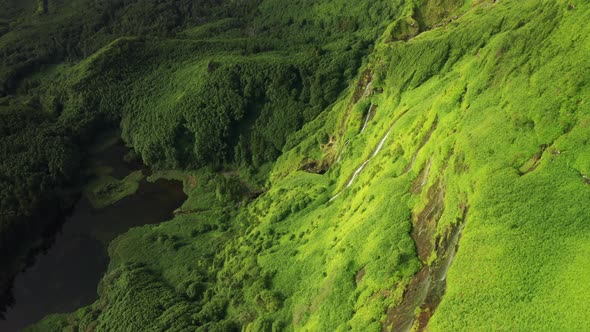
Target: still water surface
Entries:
(66, 276)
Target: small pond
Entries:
(65, 276)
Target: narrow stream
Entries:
(375, 153)
(366, 122)
(66, 276)
(360, 169)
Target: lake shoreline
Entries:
(76, 238)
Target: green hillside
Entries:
(413, 165)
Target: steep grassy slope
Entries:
(476, 133)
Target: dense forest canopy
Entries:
(143, 63)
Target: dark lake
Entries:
(65, 276)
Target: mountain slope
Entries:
(445, 189)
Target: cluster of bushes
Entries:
(37, 162)
(224, 109)
(37, 158)
(72, 30)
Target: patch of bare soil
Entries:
(426, 289)
(401, 317)
(424, 227)
(359, 276)
(446, 248)
(534, 162)
(314, 166)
